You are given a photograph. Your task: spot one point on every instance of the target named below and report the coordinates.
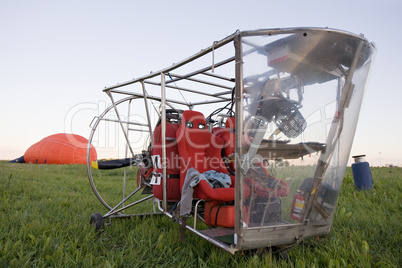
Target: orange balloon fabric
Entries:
(60, 148)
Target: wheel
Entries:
(97, 221)
(281, 252)
(284, 254)
(120, 136)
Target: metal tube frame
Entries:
(128, 206)
(191, 90)
(199, 81)
(333, 137)
(163, 130)
(238, 136)
(150, 97)
(179, 64)
(126, 151)
(147, 110)
(125, 122)
(236, 38)
(95, 125)
(208, 68)
(121, 124)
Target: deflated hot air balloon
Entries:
(59, 148)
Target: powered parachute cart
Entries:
(244, 143)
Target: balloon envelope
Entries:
(60, 148)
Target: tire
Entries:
(97, 221)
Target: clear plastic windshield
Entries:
(301, 99)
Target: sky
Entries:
(57, 56)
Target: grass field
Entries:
(45, 211)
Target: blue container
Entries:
(362, 176)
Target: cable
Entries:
(178, 89)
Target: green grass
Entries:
(45, 211)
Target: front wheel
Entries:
(97, 221)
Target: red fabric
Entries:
(60, 148)
(228, 136)
(172, 152)
(172, 161)
(267, 185)
(201, 150)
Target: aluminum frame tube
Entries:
(125, 122)
(203, 52)
(205, 69)
(91, 135)
(121, 124)
(219, 76)
(220, 244)
(137, 95)
(182, 77)
(238, 138)
(126, 149)
(163, 130)
(333, 136)
(206, 102)
(226, 40)
(147, 111)
(133, 204)
(188, 90)
(122, 201)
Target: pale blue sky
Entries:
(56, 56)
